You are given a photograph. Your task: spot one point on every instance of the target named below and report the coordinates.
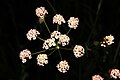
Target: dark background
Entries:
(18, 16)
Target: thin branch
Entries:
(59, 54)
(51, 6)
(42, 51)
(39, 52)
(47, 27)
(41, 39)
(52, 52)
(57, 27)
(65, 48)
(97, 15)
(68, 31)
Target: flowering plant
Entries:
(58, 41)
(53, 43)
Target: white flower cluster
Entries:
(63, 66)
(42, 59)
(25, 54)
(40, 12)
(56, 39)
(78, 51)
(58, 19)
(115, 73)
(64, 40)
(108, 40)
(55, 34)
(49, 43)
(32, 34)
(97, 77)
(73, 22)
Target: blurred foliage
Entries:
(17, 17)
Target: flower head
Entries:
(73, 22)
(63, 66)
(49, 43)
(78, 51)
(58, 19)
(25, 54)
(42, 59)
(55, 34)
(97, 77)
(108, 40)
(64, 40)
(40, 12)
(32, 34)
(115, 73)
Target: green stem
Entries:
(57, 46)
(57, 27)
(38, 52)
(52, 52)
(51, 6)
(66, 48)
(41, 39)
(47, 27)
(116, 53)
(59, 54)
(42, 51)
(68, 31)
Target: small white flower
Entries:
(73, 22)
(25, 54)
(97, 77)
(55, 34)
(40, 12)
(108, 40)
(64, 40)
(42, 59)
(49, 43)
(78, 51)
(32, 34)
(63, 66)
(58, 19)
(115, 73)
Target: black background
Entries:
(18, 16)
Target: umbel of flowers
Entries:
(56, 39)
(52, 43)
